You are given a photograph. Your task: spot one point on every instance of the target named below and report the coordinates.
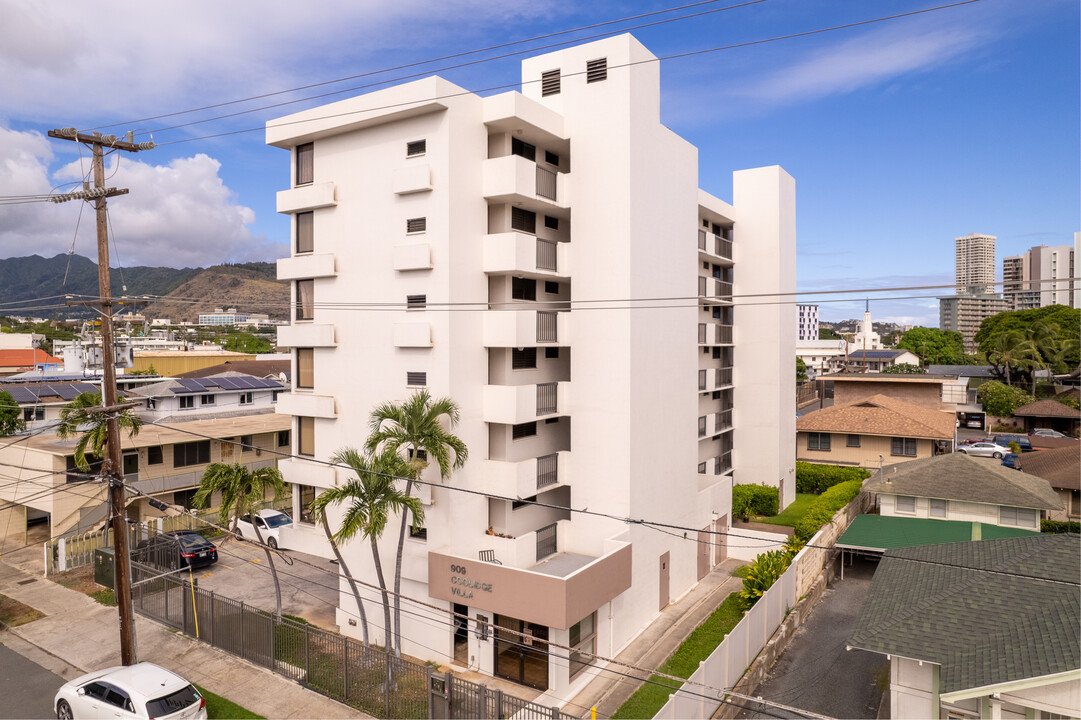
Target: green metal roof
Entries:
(879, 533)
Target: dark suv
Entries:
(176, 550)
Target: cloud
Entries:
(179, 214)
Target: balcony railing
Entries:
(702, 426)
(546, 541)
(701, 379)
(547, 470)
(722, 463)
(724, 420)
(719, 245)
(546, 255)
(546, 183)
(724, 376)
(719, 335)
(546, 327)
(546, 398)
(724, 334)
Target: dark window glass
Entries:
(818, 441)
(77, 475)
(305, 164)
(551, 353)
(523, 149)
(187, 402)
(305, 232)
(550, 287)
(523, 359)
(172, 703)
(191, 453)
(551, 158)
(524, 220)
(523, 288)
(552, 223)
(524, 430)
(154, 455)
(283, 438)
(853, 441)
(307, 496)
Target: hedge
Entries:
(814, 478)
(1058, 526)
(825, 507)
(748, 500)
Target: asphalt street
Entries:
(27, 688)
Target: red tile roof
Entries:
(26, 357)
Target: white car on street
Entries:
(270, 523)
(984, 449)
(137, 691)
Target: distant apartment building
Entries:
(426, 197)
(1039, 277)
(975, 299)
(231, 317)
(974, 264)
(964, 313)
(808, 322)
(1075, 276)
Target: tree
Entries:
(11, 420)
(370, 499)
(1066, 321)
(1013, 350)
(825, 333)
(936, 347)
(83, 417)
(415, 428)
(242, 490)
(1001, 400)
(801, 370)
(903, 369)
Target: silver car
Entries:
(1048, 433)
(137, 691)
(984, 449)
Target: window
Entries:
(524, 220)
(702, 426)
(246, 398)
(523, 359)
(305, 309)
(903, 446)
(416, 225)
(416, 302)
(552, 223)
(523, 149)
(516, 504)
(524, 430)
(1020, 517)
(187, 402)
(550, 287)
(283, 438)
(33, 413)
(418, 379)
(853, 441)
(247, 442)
(305, 238)
(418, 532)
(76, 475)
(551, 353)
(306, 436)
(191, 453)
(305, 164)
(420, 454)
(583, 638)
(523, 288)
(938, 508)
(274, 395)
(552, 159)
(415, 148)
(596, 70)
(550, 83)
(306, 368)
(818, 441)
(306, 493)
(701, 468)
(906, 504)
(206, 400)
(154, 455)
(185, 498)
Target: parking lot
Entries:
(242, 573)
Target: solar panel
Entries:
(21, 394)
(188, 385)
(227, 383)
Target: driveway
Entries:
(815, 672)
(242, 573)
(27, 688)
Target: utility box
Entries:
(105, 567)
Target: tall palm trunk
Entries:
(383, 590)
(398, 576)
(348, 577)
(273, 570)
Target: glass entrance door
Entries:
(521, 658)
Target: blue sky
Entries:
(901, 135)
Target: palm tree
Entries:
(370, 498)
(241, 492)
(83, 415)
(1013, 349)
(414, 427)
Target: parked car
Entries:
(176, 550)
(1047, 433)
(1012, 460)
(270, 523)
(1021, 440)
(984, 449)
(974, 422)
(976, 440)
(137, 691)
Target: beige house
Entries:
(873, 431)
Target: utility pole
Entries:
(112, 466)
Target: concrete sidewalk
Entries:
(78, 635)
(607, 691)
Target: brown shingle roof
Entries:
(1047, 408)
(880, 415)
(258, 368)
(1060, 466)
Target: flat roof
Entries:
(878, 533)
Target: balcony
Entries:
(724, 375)
(714, 246)
(528, 477)
(722, 463)
(558, 590)
(179, 481)
(515, 180)
(714, 423)
(310, 265)
(714, 334)
(526, 328)
(516, 404)
(714, 290)
(306, 404)
(413, 334)
(720, 377)
(306, 197)
(306, 335)
(526, 255)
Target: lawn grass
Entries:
(793, 513)
(105, 596)
(219, 707)
(14, 613)
(650, 698)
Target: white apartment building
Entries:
(230, 317)
(822, 357)
(974, 259)
(515, 234)
(808, 322)
(1039, 277)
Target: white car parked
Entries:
(270, 523)
(137, 691)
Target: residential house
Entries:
(1050, 413)
(873, 431)
(988, 629)
(270, 369)
(875, 361)
(1061, 468)
(822, 356)
(21, 360)
(937, 391)
(41, 402)
(170, 363)
(226, 394)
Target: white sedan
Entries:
(270, 523)
(984, 449)
(137, 691)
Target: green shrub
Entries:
(761, 575)
(748, 500)
(825, 507)
(1014, 447)
(814, 478)
(1057, 527)
(1001, 400)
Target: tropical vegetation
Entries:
(903, 369)
(1001, 400)
(11, 415)
(825, 507)
(83, 417)
(936, 347)
(801, 370)
(1018, 344)
(751, 500)
(816, 478)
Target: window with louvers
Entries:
(416, 302)
(419, 379)
(550, 83)
(416, 225)
(597, 70)
(524, 220)
(524, 430)
(417, 147)
(523, 358)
